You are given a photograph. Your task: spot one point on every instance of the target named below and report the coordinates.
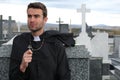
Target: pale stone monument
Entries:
(83, 38)
(100, 47)
(100, 50)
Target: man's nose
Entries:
(32, 18)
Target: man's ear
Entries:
(45, 19)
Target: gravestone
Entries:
(9, 21)
(116, 46)
(116, 58)
(9, 36)
(79, 62)
(64, 28)
(100, 46)
(96, 68)
(60, 22)
(83, 38)
(4, 61)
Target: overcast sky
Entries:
(102, 11)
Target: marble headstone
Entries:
(100, 48)
(100, 45)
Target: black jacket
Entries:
(48, 63)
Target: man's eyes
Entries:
(29, 16)
(35, 16)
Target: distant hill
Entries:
(100, 25)
(57, 25)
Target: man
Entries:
(39, 55)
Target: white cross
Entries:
(83, 10)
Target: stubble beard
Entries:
(36, 30)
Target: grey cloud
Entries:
(95, 5)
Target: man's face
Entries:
(36, 21)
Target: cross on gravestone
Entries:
(83, 38)
(83, 10)
(59, 22)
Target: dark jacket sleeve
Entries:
(63, 71)
(14, 67)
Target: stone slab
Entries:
(96, 68)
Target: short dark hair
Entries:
(38, 5)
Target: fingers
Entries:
(29, 51)
(27, 59)
(28, 56)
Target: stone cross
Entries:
(59, 22)
(83, 10)
(83, 38)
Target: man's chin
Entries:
(35, 30)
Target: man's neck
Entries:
(38, 33)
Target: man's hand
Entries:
(27, 58)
